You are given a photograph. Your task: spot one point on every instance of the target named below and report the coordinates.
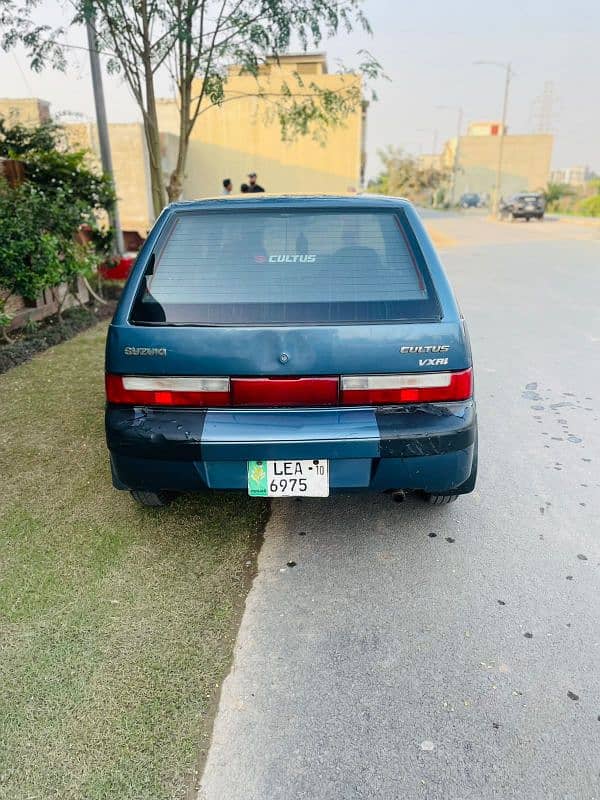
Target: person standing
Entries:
(253, 186)
(227, 186)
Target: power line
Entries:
(25, 80)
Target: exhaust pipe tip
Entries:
(399, 496)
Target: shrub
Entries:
(590, 207)
(40, 219)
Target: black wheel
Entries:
(527, 219)
(440, 499)
(152, 499)
(464, 488)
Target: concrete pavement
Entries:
(454, 652)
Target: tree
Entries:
(555, 192)
(196, 41)
(403, 176)
(62, 175)
(40, 219)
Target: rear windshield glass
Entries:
(284, 267)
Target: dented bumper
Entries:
(428, 447)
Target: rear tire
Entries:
(464, 488)
(152, 499)
(440, 499)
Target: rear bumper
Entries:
(522, 213)
(427, 447)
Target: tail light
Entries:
(288, 392)
(349, 390)
(427, 387)
(147, 391)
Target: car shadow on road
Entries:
(359, 530)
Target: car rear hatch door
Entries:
(286, 306)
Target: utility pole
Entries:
(456, 156)
(498, 189)
(456, 159)
(105, 154)
(498, 184)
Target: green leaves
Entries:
(42, 42)
(311, 109)
(29, 257)
(40, 218)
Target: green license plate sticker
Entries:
(258, 485)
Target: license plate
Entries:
(288, 478)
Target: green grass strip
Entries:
(117, 623)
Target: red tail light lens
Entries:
(427, 387)
(149, 391)
(349, 390)
(284, 392)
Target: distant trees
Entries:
(590, 206)
(555, 192)
(403, 176)
(566, 199)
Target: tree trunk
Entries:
(176, 178)
(175, 186)
(5, 337)
(151, 119)
(154, 155)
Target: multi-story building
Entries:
(572, 176)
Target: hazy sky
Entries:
(427, 50)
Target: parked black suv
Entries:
(523, 206)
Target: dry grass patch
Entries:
(439, 239)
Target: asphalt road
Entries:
(417, 652)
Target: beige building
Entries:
(130, 164)
(525, 160)
(27, 110)
(244, 134)
(228, 141)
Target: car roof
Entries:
(269, 201)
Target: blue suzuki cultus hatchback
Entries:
(290, 346)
